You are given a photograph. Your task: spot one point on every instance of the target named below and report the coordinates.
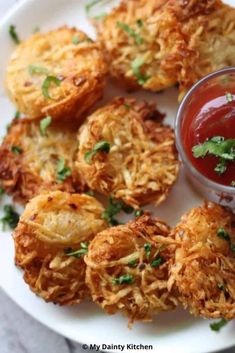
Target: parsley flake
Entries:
(220, 286)
(13, 34)
(10, 218)
(47, 83)
(132, 263)
(157, 262)
(221, 232)
(32, 69)
(136, 66)
(147, 248)
(102, 146)
(16, 149)
(44, 123)
(138, 213)
(217, 326)
(138, 39)
(125, 279)
(114, 207)
(78, 253)
(62, 172)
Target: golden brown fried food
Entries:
(143, 44)
(50, 243)
(127, 268)
(208, 28)
(60, 73)
(204, 269)
(141, 165)
(32, 160)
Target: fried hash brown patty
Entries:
(142, 163)
(127, 268)
(60, 73)
(208, 28)
(142, 44)
(204, 269)
(31, 163)
(50, 243)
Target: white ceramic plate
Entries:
(176, 332)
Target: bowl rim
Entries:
(186, 161)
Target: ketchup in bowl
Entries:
(205, 136)
(208, 133)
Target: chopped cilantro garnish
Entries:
(220, 286)
(17, 115)
(139, 23)
(217, 326)
(10, 218)
(2, 191)
(136, 66)
(47, 83)
(132, 263)
(138, 39)
(91, 4)
(78, 253)
(13, 34)
(102, 146)
(138, 213)
(114, 207)
(221, 232)
(89, 193)
(147, 248)
(125, 279)
(219, 147)
(44, 123)
(62, 172)
(16, 149)
(229, 97)
(33, 69)
(75, 40)
(158, 261)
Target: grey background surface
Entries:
(19, 333)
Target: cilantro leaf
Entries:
(219, 147)
(158, 261)
(102, 146)
(125, 279)
(47, 83)
(114, 207)
(62, 172)
(147, 248)
(217, 326)
(13, 34)
(138, 39)
(32, 69)
(221, 232)
(136, 66)
(10, 218)
(44, 123)
(16, 149)
(78, 253)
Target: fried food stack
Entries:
(64, 147)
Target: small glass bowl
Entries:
(222, 194)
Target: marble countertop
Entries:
(19, 333)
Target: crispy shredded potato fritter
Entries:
(204, 269)
(29, 161)
(142, 163)
(52, 226)
(69, 56)
(208, 28)
(127, 268)
(146, 31)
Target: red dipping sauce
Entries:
(211, 114)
